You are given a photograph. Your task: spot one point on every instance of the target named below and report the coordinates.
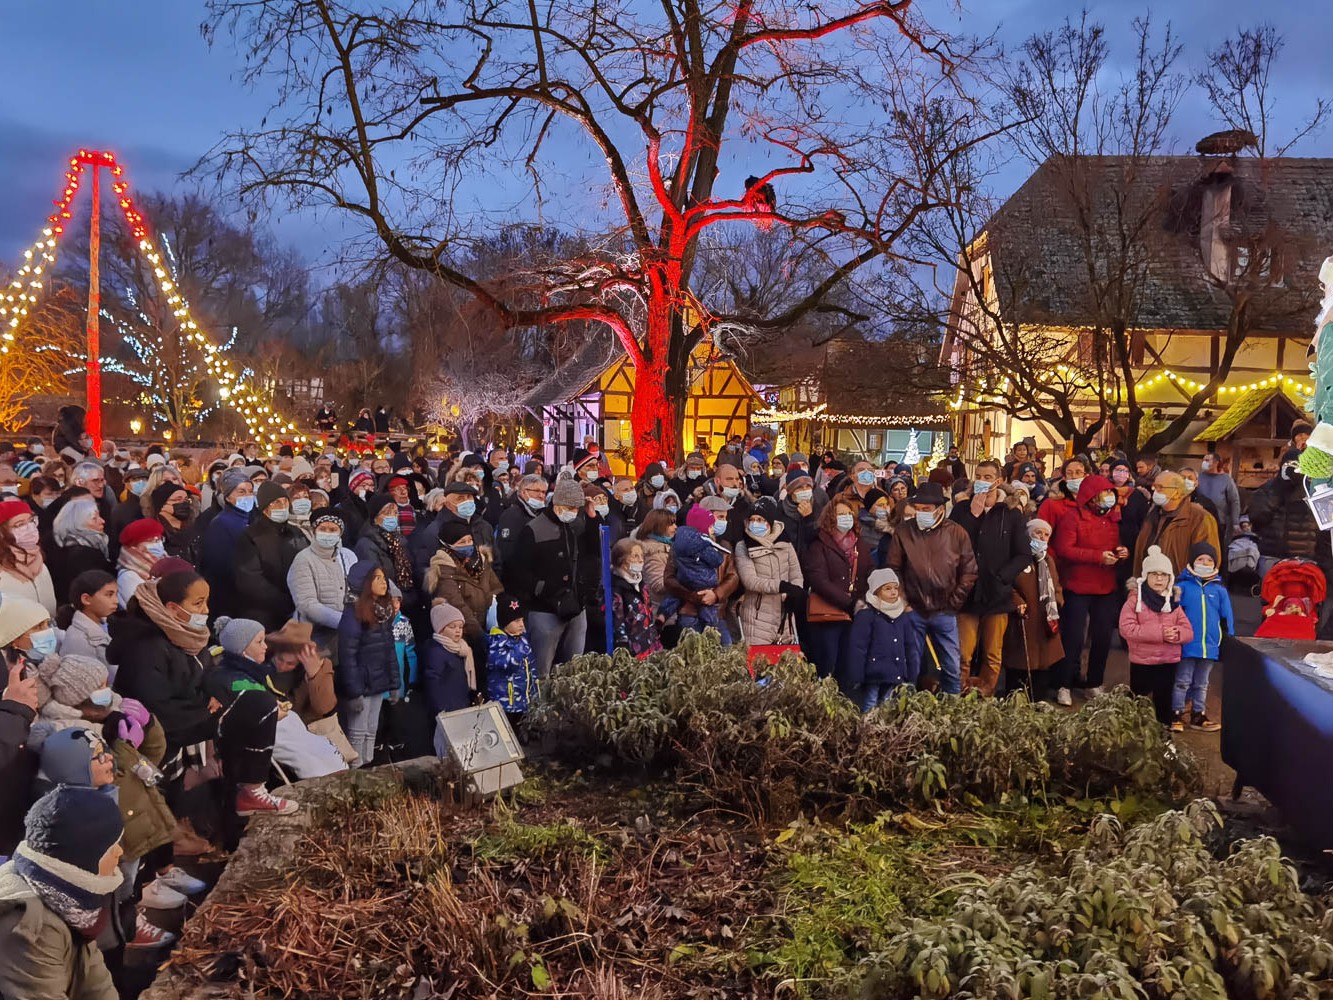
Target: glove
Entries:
(790, 591)
(130, 729)
(135, 710)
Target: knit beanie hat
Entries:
(72, 678)
(1036, 523)
(568, 493)
(11, 509)
(653, 469)
(76, 826)
(362, 478)
(1203, 549)
(799, 458)
(794, 475)
(1156, 561)
(443, 614)
(508, 609)
(236, 633)
(231, 479)
(269, 492)
(766, 508)
(67, 757)
(700, 519)
(453, 529)
(159, 497)
(872, 497)
(18, 615)
(140, 531)
(879, 578)
(376, 502)
(328, 517)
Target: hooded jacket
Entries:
(1144, 630)
(468, 591)
(1283, 522)
(367, 661)
(1082, 536)
(883, 650)
(1207, 604)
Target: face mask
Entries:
(198, 621)
(323, 484)
(635, 568)
(1074, 484)
(301, 508)
(981, 488)
(1159, 498)
(634, 574)
(601, 509)
(879, 514)
(467, 508)
(719, 527)
(327, 539)
(138, 486)
(804, 496)
(759, 529)
(670, 508)
(245, 504)
(656, 482)
(181, 511)
(1038, 547)
(1189, 486)
(26, 537)
(501, 468)
(845, 522)
(731, 492)
(925, 521)
(628, 498)
(535, 503)
(866, 477)
(693, 473)
(102, 697)
(1289, 471)
(38, 449)
(45, 502)
(155, 549)
(390, 523)
(1204, 572)
(43, 644)
(465, 550)
(1120, 476)
(1206, 466)
(567, 516)
(1106, 503)
(279, 516)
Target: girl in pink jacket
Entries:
(1154, 630)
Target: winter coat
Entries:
(367, 662)
(39, 589)
(510, 523)
(833, 576)
(421, 547)
(1142, 629)
(1080, 539)
(1220, 488)
(67, 561)
(122, 516)
(1028, 641)
(799, 531)
(41, 958)
(85, 637)
(149, 821)
(728, 581)
(1000, 544)
(18, 766)
(469, 590)
(183, 542)
(509, 676)
(632, 618)
(1284, 524)
(217, 560)
(1055, 507)
(317, 582)
(1207, 604)
(165, 678)
(882, 650)
(544, 569)
(312, 696)
(264, 554)
(1176, 534)
(765, 564)
(655, 556)
(937, 568)
(374, 546)
(352, 509)
(445, 680)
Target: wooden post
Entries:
(93, 421)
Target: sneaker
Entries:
(254, 799)
(1063, 697)
(1201, 722)
(182, 881)
(148, 935)
(1178, 723)
(1093, 692)
(160, 895)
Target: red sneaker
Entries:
(254, 799)
(148, 935)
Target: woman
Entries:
(302, 506)
(42, 492)
(770, 574)
(80, 543)
(317, 580)
(655, 534)
(367, 664)
(23, 571)
(170, 504)
(264, 554)
(141, 545)
(1032, 645)
(836, 565)
(94, 597)
(461, 574)
(631, 613)
(651, 483)
(381, 543)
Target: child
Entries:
(367, 664)
(1207, 604)
(884, 649)
(405, 650)
(697, 562)
(450, 677)
(1154, 631)
(510, 678)
(1032, 643)
(631, 614)
(93, 598)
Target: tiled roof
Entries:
(1247, 404)
(577, 375)
(1040, 266)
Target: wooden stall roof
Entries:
(1247, 404)
(579, 374)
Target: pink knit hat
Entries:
(700, 519)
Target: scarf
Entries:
(135, 562)
(402, 564)
(85, 536)
(183, 636)
(885, 608)
(460, 648)
(1160, 603)
(628, 577)
(78, 897)
(383, 610)
(27, 565)
(1045, 590)
(847, 542)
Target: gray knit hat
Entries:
(568, 493)
(237, 633)
(231, 479)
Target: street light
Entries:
(136, 425)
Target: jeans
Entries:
(1083, 615)
(940, 651)
(1155, 681)
(552, 636)
(692, 623)
(989, 629)
(871, 695)
(1191, 684)
(360, 719)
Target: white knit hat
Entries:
(879, 578)
(17, 616)
(1156, 561)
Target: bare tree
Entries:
(45, 348)
(384, 114)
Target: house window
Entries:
(874, 440)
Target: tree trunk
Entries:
(657, 413)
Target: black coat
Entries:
(264, 554)
(1000, 543)
(67, 561)
(544, 571)
(367, 660)
(122, 516)
(18, 767)
(1283, 522)
(168, 680)
(512, 521)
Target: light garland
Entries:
(264, 423)
(1193, 386)
(820, 411)
(786, 416)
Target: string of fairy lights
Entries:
(265, 424)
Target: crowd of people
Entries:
(178, 638)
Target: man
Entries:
(1146, 470)
(955, 463)
(217, 560)
(1191, 479)
(326, 419)
(543, 576)
(1064, 497)
(625, 515)
(797, 510)
(494, 485)
(1282, 519)
(400, 490)
(128, 510)
(999, 539)
(1220, 488)
(528, 501)
(460, 507)
(92, 477)
(690, 478)
(933, 558)
(727, 485)
(1173, 524)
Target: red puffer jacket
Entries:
(1081, 537)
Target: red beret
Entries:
(140, 531)
(11, 509)
(397, 481)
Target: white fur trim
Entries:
(1321, 438)
(73, 874)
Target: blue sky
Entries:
(138, 78)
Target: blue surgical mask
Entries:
(657, 482)
(155, 549)
(845, 522)
(1038, 547)
(731, 492)
(719, 527)
(466, 551)
(301, 508)
(536, 503)
(43, 644)
(866, 477)
(244, 504)
(926, 520)
(102, 697)
(138, 486)
(693, 473)
(981, 487)
(327, 540)
(390, 523)
(279, 515)
(467, 508)
(502, 467)
(758, 529)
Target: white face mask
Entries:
(925, 520)
(602, 509)
(1206, 466)
(693, 473)
(804, 496)
(1038, 547)
(1074, 484)
(198, 621)
(628, 498)
(566, 516)
(1160, 499)
(1190, 484)
(101, 697)
(845, 522)
(1204, 572)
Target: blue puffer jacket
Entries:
(1208, 607)
(509, 676)
(883, 650)
(367, 658)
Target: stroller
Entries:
(1292, 592)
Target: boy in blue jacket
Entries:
(884, 650)
(510, 677)
(1207, 604)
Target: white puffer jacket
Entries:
(764, 565)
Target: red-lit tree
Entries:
(794, 116)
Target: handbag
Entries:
(818, 611)
(787, 642)
(328, 728)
